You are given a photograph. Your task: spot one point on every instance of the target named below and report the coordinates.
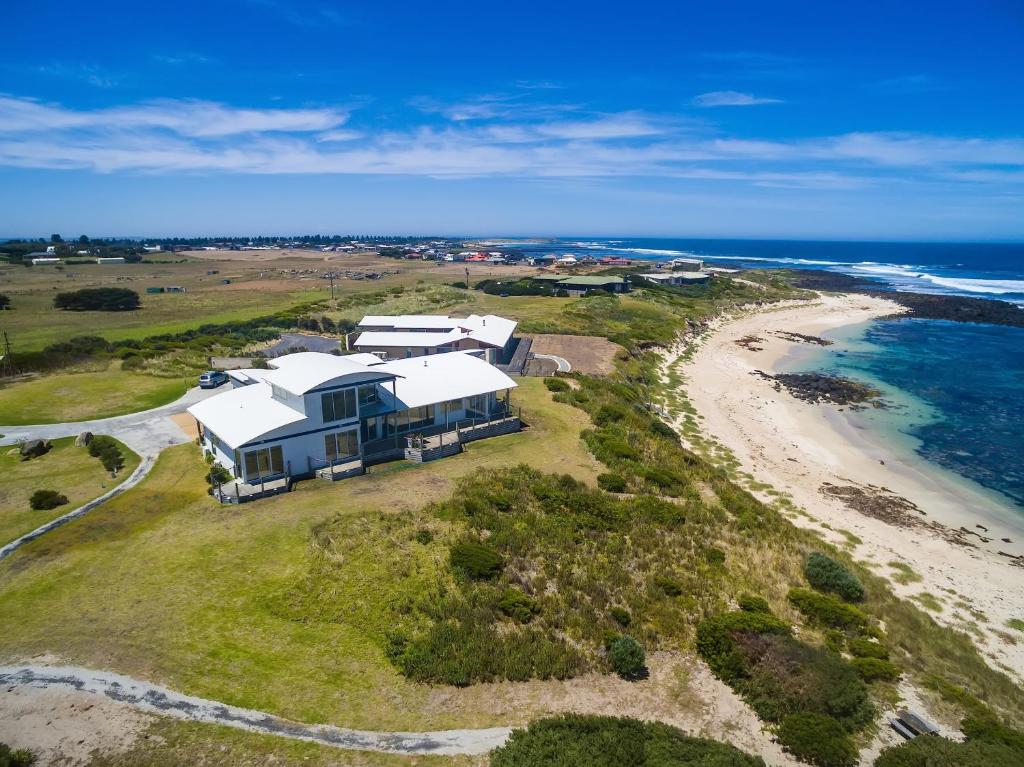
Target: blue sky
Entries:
(866, 120)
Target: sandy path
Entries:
(796, 447)
(154, 699)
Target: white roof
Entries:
(364, 358)
(247, 375)
(303, 371)
(240, 415)
(489, 329)
(442, 377)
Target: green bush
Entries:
(44, 500)
(20, 757)
(826, 574)
(753, 604)
(107, 450)
(670, 586)
(823, 610)
(876, 669)
(518, 606)
(476, 560)
(98, 300)
(985, 727)
(940, 752)
(613, 483)
(611, 413)
(627, 657)
(556, 384)
(574, 740)
(423, 536)
(5, 301)
(817, 739)
(664, 430)
(620, 615)
(133, 362)
(218, 475)
(865, 648)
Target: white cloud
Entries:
(205, 137)
(731, 99)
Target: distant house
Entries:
(110, 260)
(545, 260)
(415, 335)
(42, 258)
(578, 285)
(686, 264)
(677, 278)
(567, 260)
(314, 412)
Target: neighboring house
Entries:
(416, 335)
(686, 264)
(677, 278)
(313, 411)
(40, 258)
(579, 285)
(546, 260)
(110, 260)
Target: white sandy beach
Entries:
(797, 447)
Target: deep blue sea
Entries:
(959, 387)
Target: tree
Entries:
(56, 238)
(5, 301)
(83, 240)
(627, 657)
(98, 300)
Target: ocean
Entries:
(957, 388)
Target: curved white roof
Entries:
(243, 414)
(442, 377)
(489, 329)
(303, 371)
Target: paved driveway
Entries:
(146, 432)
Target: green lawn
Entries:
(66, 468)
(64, 397)
(165, 584)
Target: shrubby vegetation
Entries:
(20, 757)
(817, 739)
(5, 301)
(556, 384)
(108, 451)
(573, 740)
(826, 574)
(98, 300)
(826, 611)
(44, 500)
(627, 657)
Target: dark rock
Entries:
(34, 448)
(83, 439)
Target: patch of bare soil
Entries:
(64, 727)
(587, 354)
(679, 690)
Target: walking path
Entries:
(160, 700)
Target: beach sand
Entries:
(798, 447)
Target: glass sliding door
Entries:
(341, 445)
(267, 462)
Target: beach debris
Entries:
(824, 387)
(884, 505)
(802, 338)
(750, 343)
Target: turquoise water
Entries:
(956, 392)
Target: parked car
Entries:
(211, 379)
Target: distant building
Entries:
(546, 260)
(392, 337)
(686, 264)
(677, 278)
(582, 284)
(42, 259)
(110, 260)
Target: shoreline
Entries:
(900, 507)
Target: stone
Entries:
(83, 439)
(34, 448)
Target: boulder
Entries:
(34, 448)
(83, 439)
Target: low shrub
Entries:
(876, 669)
(627, 657)
(753, 604)
(662, 429)
(824, 610)
(613, 483)
(826, 574)
(16, 757)
(219, 475)
(817, 739)
(611, 413)
(717, 635)
(107, 450)
(518, 606)
(556, 384)
(865, 648)
(574, 740)
(669, 586)
(423, 536)
(44, 500)
(941, 752)
(620, 615)
(476, 560)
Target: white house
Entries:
(677, 278)
(416, 335)
(315, 411)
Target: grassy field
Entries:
(61, 397)
(66, 468)
(165, 584)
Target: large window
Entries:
(409, 420)
(368, 395)
(264, 463)
(344, 444)
(476, 407)
(338, 405)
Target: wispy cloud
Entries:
(91, 74)
(181, 59)
(732, 99)
(196, 136)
